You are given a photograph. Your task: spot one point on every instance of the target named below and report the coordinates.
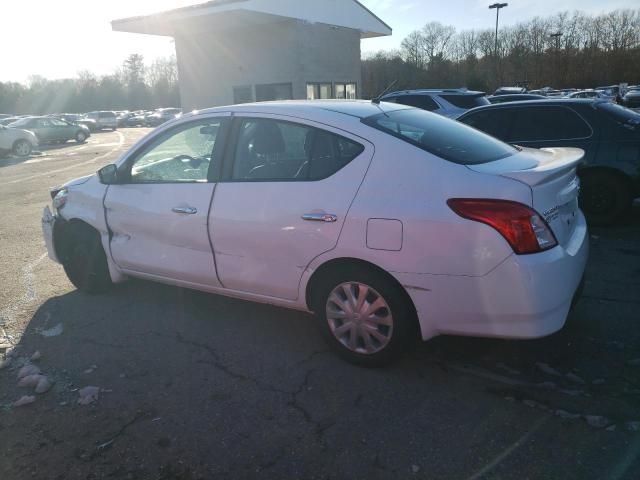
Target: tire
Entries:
(81, 137)
(605, 198)
(394, 327)
(22, 148)
(85, 262)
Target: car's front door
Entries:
(286, 189)
(157, 213)
(61, 130)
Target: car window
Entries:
(184, 154)
(43, 123)
(547, 124)
(495, 122)
(466, 101)
(448, 139)
(58, 123)
(270, 150)
(424, 102)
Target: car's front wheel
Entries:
(365, 316)
(84, 260)
(22, 148)
(605, 198)
(81, 137)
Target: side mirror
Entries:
(108, 175)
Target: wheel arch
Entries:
(334, 264)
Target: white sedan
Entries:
(388, 222)
(17, 141)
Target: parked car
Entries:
(123, 117)
(510, 91)
(388, 222)
(518, 97)
(6, 121)
(17, 141)
(609, 134)
(449, 103)
(53, 130)
(587, 94)
(104, 119)
(161, 116)
(137, 119)
(632, 98)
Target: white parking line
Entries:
(93, 160)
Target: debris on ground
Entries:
(565, 414)
(574, 378)
(24, 400)
(36, 356)
(30, 381)
(88, 395)
(28, 370)
(53, 331)
(43, 385)
(632, 426)
(544, 367)
(415, 468)
(90, 369)
(597, 421)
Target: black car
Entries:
(608, 133)
(632, 98)
(517, 97)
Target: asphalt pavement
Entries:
(197, 386)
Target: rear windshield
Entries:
(440, 136)
(466, 101)
(627, 117)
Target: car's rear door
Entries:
(158, 213)
(286, 190)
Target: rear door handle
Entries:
(185, 210)
(320, 217)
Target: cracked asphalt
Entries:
(197, 386)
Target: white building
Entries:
(236, 51)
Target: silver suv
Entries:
(104, 119)
(448, 102)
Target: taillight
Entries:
(520, 225)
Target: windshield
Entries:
(440, 136)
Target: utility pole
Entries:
(497, 7)
(557, 36)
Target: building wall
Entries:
(296, 52)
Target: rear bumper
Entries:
(526, 296)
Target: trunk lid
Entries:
(551, 175)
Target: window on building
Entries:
(317, 91)
(270, 150)
(243, 94)
(346, 91)
(274, 91)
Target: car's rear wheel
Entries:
(605, 197)
(364, 316)
(22, 148)
(84, 260)
(81, 137)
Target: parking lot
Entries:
(196, 386)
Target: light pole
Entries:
(557, 36)
(497, 6)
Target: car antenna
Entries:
(377, 99)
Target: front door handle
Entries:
(320, 217)
(185, 210)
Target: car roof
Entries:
(547, 102)
(448, 91)
(311, 108)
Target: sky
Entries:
(64, 37)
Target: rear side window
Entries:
(532, 124)
(466, 101)
(448, 139)
(271, 150)
(495, 122)
(423, 102)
